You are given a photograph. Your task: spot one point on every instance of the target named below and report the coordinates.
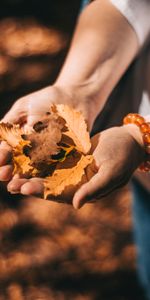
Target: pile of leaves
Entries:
(56, 149)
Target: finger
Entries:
(6, 173)
(4, 145)
(99, 185)
(5, 153)
(33, 119)
(17, 113)
(5, 157)
(14, 186)
(33, 186)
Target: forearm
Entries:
(103, 46)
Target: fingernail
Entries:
(11, 189)
(79, 205)
(16, 176)
(14, 192)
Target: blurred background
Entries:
(49, 251)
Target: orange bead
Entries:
(128, 119)
(145, 127)
(145, 130)
(146, 138)
(145, 167)
(139, 120)
(133, 118)
(148, 125)
(142, 167)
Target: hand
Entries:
(32, 108)
(26, 111)
(117, 154)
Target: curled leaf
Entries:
(56, 149)
(12, 134)
(22, 165)
(62, 178)
(45, 141)
(77, 127)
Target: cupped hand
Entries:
(117, 154)
(26, 111)
(33, 107)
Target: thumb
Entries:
(99, 185)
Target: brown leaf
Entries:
(45, 142)
(54, 150)
(77, 128)
(62, 178)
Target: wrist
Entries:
(83, 97)
(134, 131)
(135, 134)
(142, 135)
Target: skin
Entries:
(105, 36)
(85, 83)
(117, 152)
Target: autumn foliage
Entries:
(56, 149)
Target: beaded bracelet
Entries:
(145, 130)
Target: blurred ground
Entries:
(49, 251)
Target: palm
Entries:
(27, 111)
(117, 155)
(113, 150)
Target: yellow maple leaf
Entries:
(12, 134)
(61, 178)
(61, 170)
(22, 165)
(77, 127)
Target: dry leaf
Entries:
(13, 135)
(62, 178)
(22, 165)
(45, 140)
(56, 149)
(77, 128)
